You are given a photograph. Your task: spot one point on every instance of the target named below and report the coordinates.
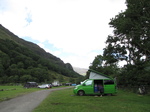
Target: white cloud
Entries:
(73, 26)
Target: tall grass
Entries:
(65, 101)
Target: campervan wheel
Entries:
(81, 93)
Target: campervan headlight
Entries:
(76, 87)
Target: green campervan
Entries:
(90, 86)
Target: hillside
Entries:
(22, 61)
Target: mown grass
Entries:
(65, 101)
(8, 92)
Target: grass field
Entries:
(8, 92)
(65, 101)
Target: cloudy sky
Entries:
(73, 30)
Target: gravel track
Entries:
(26, 103)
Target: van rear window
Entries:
(106, 82)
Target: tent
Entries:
(97, 75)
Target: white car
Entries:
(45, 86)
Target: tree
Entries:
(5, 60)
(26, 78)
(71, 80)
(60, 78)
(131, 32)
(1, 69)
(131, 42)
(97, 62)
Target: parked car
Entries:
(56, 84)
(30, 84)
(50, 85)
(45, 86)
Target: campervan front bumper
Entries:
(75, 90)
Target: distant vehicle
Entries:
(73, 84)
(45, 86)
(50, 85)
(68, 84)
(56, 83)
(30, 84)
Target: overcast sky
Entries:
(73, 30)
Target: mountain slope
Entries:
(34, 47)
(23, 61)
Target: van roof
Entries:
(90, 70)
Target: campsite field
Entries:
(8, 92)
(66, 101)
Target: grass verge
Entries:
(8, 92)
(65, 101)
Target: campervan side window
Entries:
(108, 82)
(89, 82)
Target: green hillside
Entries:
(22, 61)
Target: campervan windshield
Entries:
(83, 82)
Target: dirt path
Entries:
(27, 102)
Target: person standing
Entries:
(100, 89)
